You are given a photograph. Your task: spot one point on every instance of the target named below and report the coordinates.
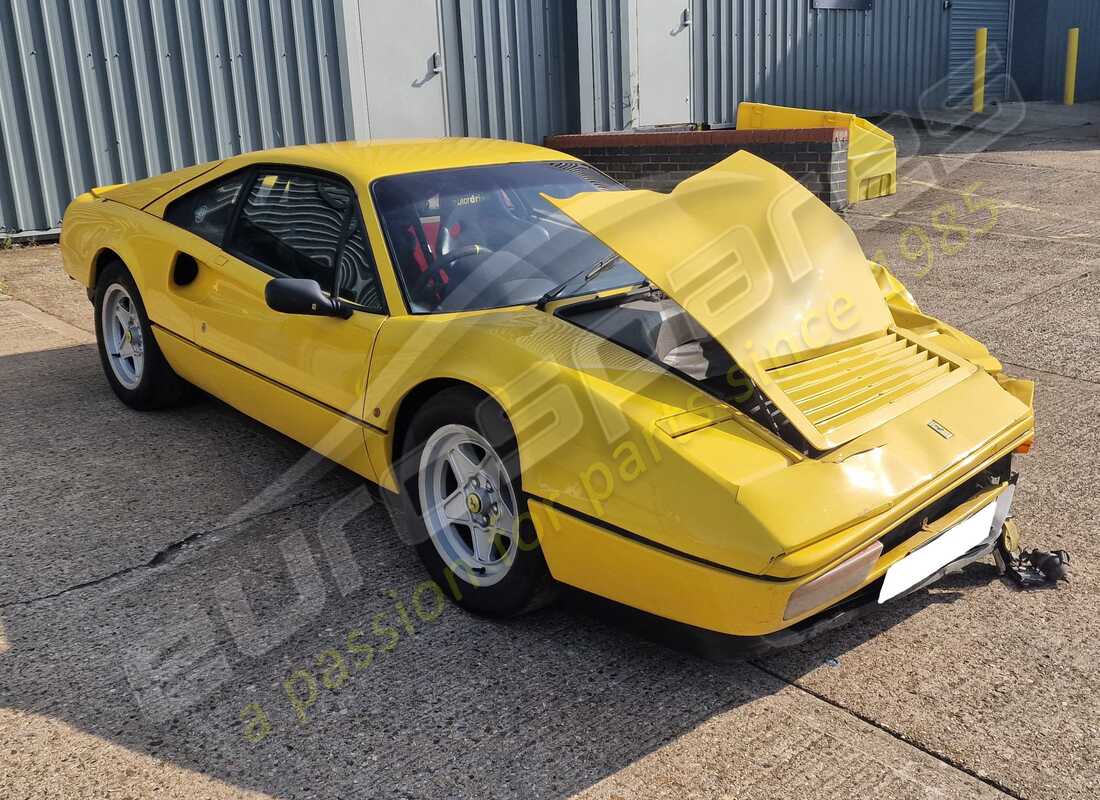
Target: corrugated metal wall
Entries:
(788, 53)
(966, 17)
(604, 70)
(776, 51)
(94, 92)
(504, 70)
(1063, 15)
(104, 91)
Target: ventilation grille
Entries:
(587, 172)
(840, 387)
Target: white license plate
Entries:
(942, 550)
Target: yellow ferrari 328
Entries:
(705, 404)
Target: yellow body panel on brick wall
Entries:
(872, 155)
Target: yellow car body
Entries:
(642, 487)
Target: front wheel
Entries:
(132, 361)
(464, 506)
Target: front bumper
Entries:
(865, 600)
(595, 557)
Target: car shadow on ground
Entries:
(285, 640)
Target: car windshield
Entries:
(485, 237)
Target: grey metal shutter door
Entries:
(966, 17)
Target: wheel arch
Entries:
(419, 396)
(102, 258)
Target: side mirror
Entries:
(303, 296)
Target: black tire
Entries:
(527, 585)
(158, 385)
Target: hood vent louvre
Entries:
(838, 388)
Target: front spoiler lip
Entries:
(723, 647)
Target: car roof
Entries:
(367, 160)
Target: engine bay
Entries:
(654, 326)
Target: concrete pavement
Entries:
(161, 605)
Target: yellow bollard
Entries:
(979, 70)
(1071, 66)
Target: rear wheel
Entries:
(132, 361)
(463, 506)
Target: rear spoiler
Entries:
(100, 192)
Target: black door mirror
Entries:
(303, 296)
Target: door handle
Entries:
(435, 63)
(683, 22)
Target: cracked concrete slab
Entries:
(1050, 162)
(1057, 330)
(35, 276)
(26, 329)
(1018, 118)
(91, 487)
(960, 195)
(734, 755)
(977, 279)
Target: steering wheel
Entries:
(434, 271)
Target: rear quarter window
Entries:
(207, 211)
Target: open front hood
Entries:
(780, 281)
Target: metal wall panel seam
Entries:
(149, 125)
(332, 109)
(40, 108)
(197, 86)
(74, 149)
(538, 42)
(494, 66)
(235, 60)
(282, 89)
(268, 106)
(586, 67)
(20, 151)
(300, 90)
(168, 82)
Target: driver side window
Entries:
(292, 224)
(303, 225)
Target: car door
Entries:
(286, 222)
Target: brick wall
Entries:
(816, 157)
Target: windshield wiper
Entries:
(589, 274)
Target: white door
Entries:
(662, 52)
(401, 66)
